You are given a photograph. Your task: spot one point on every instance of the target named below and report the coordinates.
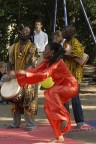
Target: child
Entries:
(57, 36)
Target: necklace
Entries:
(22, 48)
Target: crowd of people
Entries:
(31, 60)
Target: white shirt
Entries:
(67, 49)
(40, 39)
(62, 43)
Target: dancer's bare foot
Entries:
(63, 125)
(60, 139)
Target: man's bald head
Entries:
(25, 33)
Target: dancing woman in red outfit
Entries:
(65, 87)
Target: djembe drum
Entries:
(11, 91)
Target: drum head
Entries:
(10, 88)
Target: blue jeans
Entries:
(77, 108)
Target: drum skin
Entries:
(10, 89)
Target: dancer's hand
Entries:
(25, 73)
(11, 74)
(22, 72)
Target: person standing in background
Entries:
(40, 38)
(77, 50)
(57, 36)
(23, 55)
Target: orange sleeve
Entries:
(41, 66)
(38, 74)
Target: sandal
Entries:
(57, 140)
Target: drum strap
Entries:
(15, 53)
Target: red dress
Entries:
(65, 87)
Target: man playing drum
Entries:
(23, 55)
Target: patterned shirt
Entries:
(23, 60)
(77, 50)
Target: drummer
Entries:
(23, 55)
(68, 37)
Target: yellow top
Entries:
(77, 50)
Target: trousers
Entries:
(29, 120)
(77, 108)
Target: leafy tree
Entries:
(16, 13)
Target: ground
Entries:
(88, 100)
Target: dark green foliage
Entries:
(17, 13)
